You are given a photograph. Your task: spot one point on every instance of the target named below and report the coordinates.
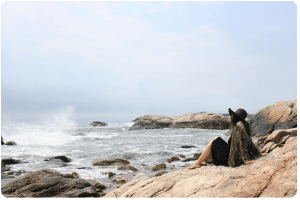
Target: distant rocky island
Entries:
(201, 120)
(98, 123)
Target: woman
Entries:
(239, 148)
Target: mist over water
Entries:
(60, 133)
(53, 129)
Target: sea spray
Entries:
(54, 130)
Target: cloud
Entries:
(88, 55)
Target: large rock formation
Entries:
(277, 139)
(281, 115)
(151, 122)
(274, 175)
(191, 120)
(50, 183)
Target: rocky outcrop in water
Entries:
(176, 158)
(50, 183)
(97, 123)
(10, 143)
(159, 167)
(10, 161)
(273, 175)
(62, 158)
(190, 120)
(111, 162)
(281, 115)
(7, 143)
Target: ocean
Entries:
(38, 140)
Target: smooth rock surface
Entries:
(281, 115)
(151, 122)
(274, 175)
(191, 120)
(277, 135)
(201, 120)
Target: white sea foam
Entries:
(54, 131)
(102, 135)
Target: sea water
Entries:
(83, 143)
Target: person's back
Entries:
(239, 148)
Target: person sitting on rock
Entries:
(239, 148)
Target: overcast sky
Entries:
(147, 57)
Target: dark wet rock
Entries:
(110, 174)
(281, 115)
(196, 156)
(189, 159)
(84, 168)
(110, 162)
(176, 158)
(2, 142)
(49, 183)
(97, 185)
(72, 175)
(97, 123)
(120, 180)
(62, 158)
(6, 172)
(188, 146)
(127, 167)
(160, 173)
(10, 161)
(173, 159)
(4, 168)
(10, 143)
(159, 167)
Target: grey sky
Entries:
(147, 57)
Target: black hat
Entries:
(240, 114)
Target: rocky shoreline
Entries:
(276, 129)
(273, 175)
